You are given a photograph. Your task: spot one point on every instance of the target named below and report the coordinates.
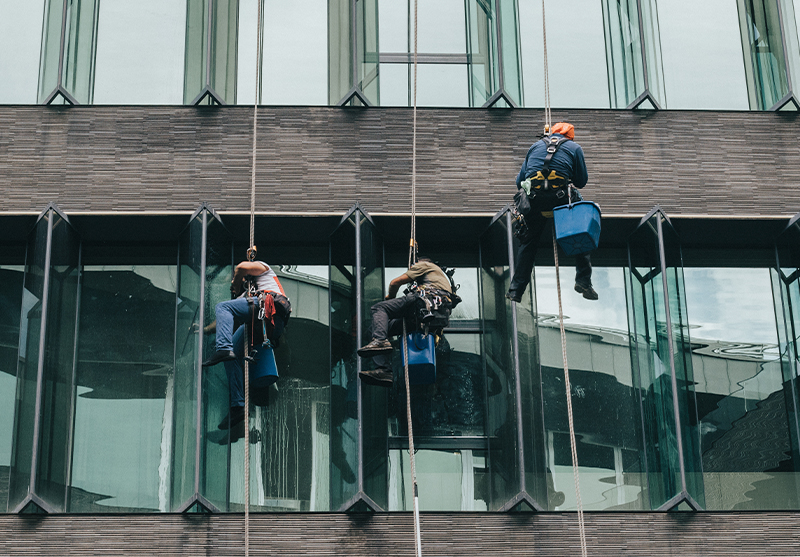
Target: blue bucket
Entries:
(421, 359)
(577, 227)
(263, 370)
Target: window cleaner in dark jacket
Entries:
(566, 165)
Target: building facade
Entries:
(126, 149)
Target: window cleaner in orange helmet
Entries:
(549, 167)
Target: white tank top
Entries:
(268, 280)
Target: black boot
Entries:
(235, 416)
(219, 356)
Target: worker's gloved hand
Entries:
(235, 289)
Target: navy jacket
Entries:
(568, 162)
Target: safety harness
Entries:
(435, 305)
(551, 189)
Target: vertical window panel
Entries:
(747, 452)
(20, 46)
(122, 410)
(576, 61)
(702, 55)
(11, 289)
(605, 402)
(140, 51)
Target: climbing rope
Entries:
(412, 259)
(573, 444)
(247, 330)
(547, 117)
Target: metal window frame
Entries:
(32, 502)
(683, 496)
(197, 498)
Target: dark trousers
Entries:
(387, 321)
(526, 256)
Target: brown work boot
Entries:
(587, 291)
(379, 377)
(375, 348)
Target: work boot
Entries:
(513, 296)
(234, 416)
(375, 348)
(587, 291)
(219, 356)
(379, 377)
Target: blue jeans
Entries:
(230, 315)
(235, 313)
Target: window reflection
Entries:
(10, 310)
(741, 396)
(454, 480)
(605, 404)
(121, 452)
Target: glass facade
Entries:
(679, 403)
(471, 53)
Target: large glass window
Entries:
(294, 67)
(448, 416)
(747, 446)
(576, 61)
(764, 51)
(702, 54)
(140, 49)
(123, 408)
(20, 44)
(11, 276)
(604, 400)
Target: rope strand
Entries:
(547, 117)
(412, 259)
(248, 332)
(568, 387)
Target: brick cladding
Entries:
(322, 159)
(609, 534)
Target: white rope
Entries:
(547, 117)
(412, 259)
(568, 387)
(417, 537)
(412, 255)
(248, 332)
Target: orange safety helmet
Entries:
(565, 129)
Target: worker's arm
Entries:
(243, 269)
(396, 283)
(579, 174)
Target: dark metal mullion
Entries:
(481, 302)
(515, 356)
(37, 419)
(354, 44)
(635, 362)
(786, 52)
(670, 340)
(173, 417)
(59, 83)
(199, 360)
(789, 331)
(642, 47)
(230, 445)
(359, 318)
(499, 35)
(73, 384)
(208, 46)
